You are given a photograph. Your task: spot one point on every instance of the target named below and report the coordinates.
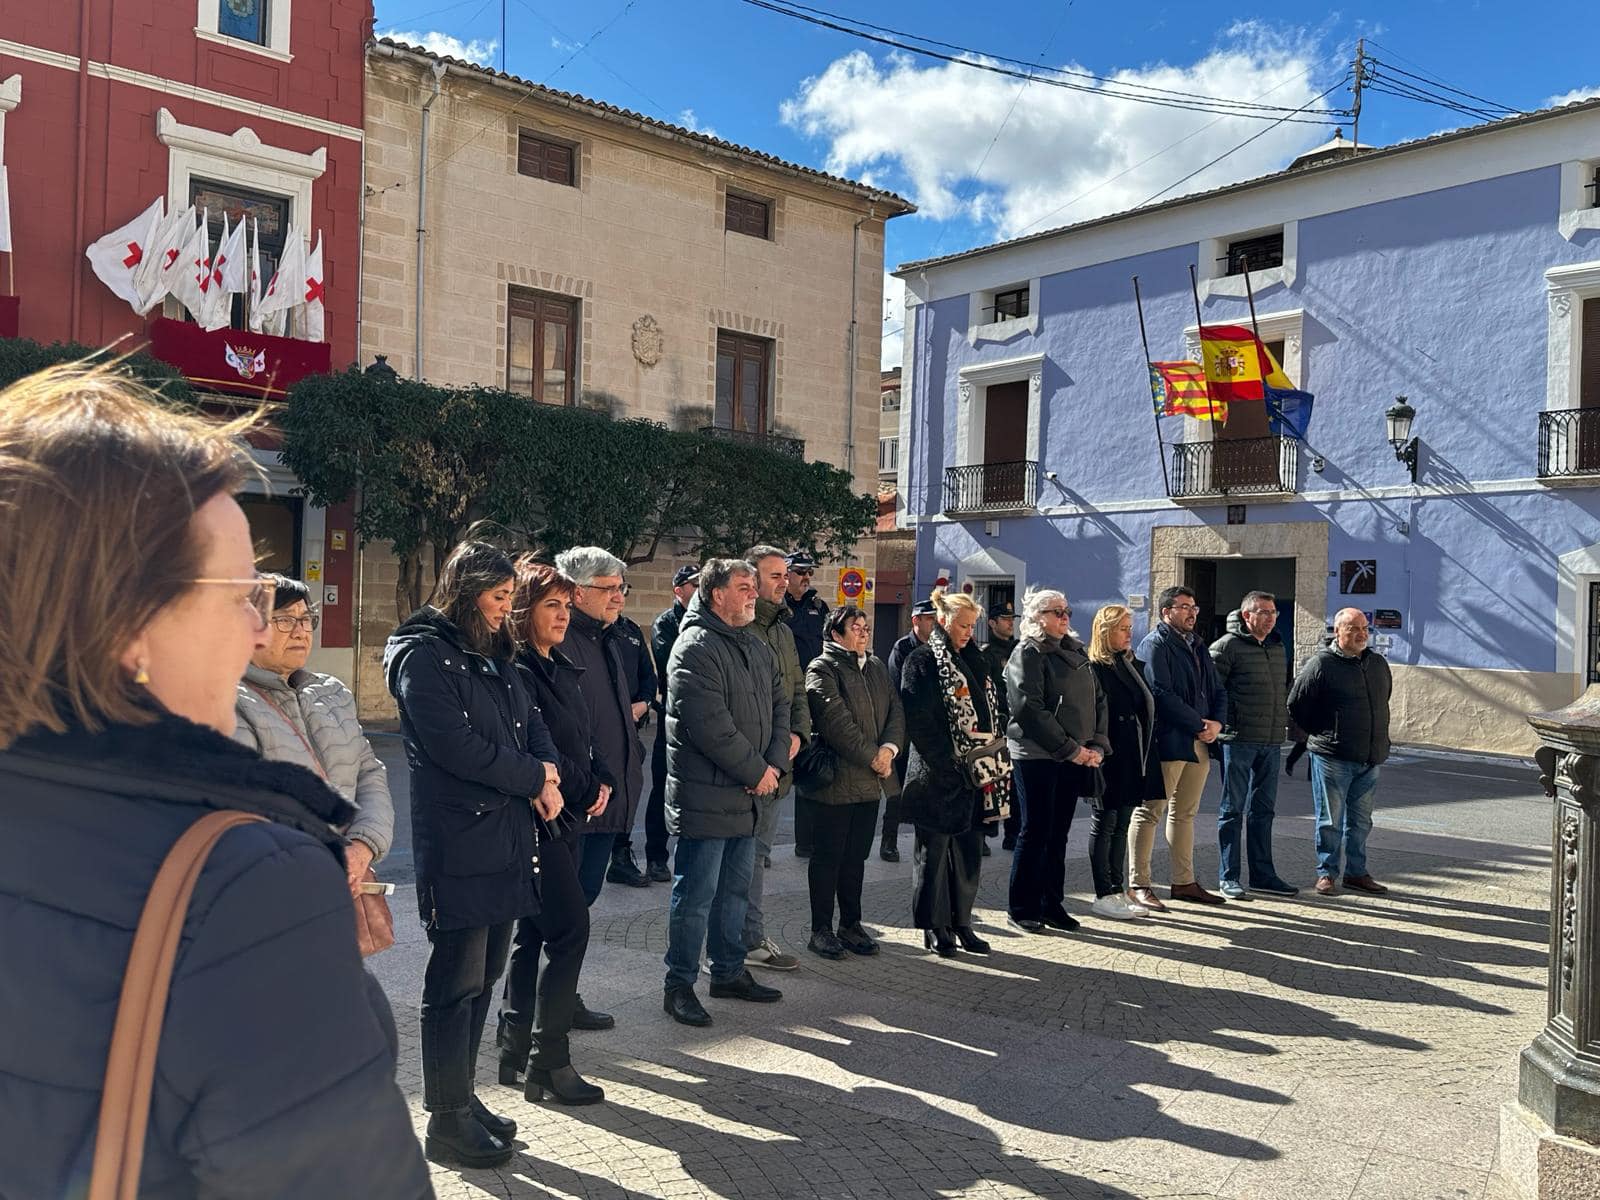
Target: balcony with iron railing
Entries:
(794, 447)
(1234, 467)
(1569, 444)
(991, 487)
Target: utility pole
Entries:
(1360, 69)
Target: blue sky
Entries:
(987, 156)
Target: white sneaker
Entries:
(1116, 908)
(769, 956)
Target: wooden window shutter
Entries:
(1589, 362)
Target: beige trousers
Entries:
(1184, 781)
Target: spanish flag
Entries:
(1179, 389)
(1237, 365)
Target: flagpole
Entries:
(1250, 295)
(1199, 332)
(1161, 450)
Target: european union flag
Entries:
(1288, 412)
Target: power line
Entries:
(1107, 88)
(1436, 79)
(1240, 146)
(596, 59)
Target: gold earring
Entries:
(140, 675)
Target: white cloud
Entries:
(1586, 93)
(689, 121)
(1063, 156)
(894, 320)
(475, 50)
(563, 46)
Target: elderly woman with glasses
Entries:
(1057, 738)
(290, 714)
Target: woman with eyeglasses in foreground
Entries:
(289, 714)
(275, 1073)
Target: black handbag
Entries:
(816, 766)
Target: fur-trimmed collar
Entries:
(178, 761)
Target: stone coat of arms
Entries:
(647, 341)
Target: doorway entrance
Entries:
(1220, 583)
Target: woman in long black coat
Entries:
(480, 758)
(539, 1003)
(1131, 772)
(948, 695)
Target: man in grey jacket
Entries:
(1254, 669)
(728, 744)
(289, 714)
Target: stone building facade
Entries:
(593, 256)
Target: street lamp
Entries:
(1398, 420)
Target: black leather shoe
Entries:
(585, 1018)
(563, 1085)
(503, 1128)
(511, 1067)
(745, 987)
(515, 1042)
(970, 941)
(857, 940)
(625, 871)
(455, 1139)
(684, 1007)
(1060, 918)
(658, 872)
(889, 852)
(940, 942)
(1026, 924)
(826, 943)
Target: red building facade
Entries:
(245, 106)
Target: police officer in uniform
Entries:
(922, 623)
(997, 652)
(639, 675)
(663, 635)
(807, 612)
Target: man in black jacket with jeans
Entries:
(1341, 699)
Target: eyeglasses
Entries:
(806, 571)
(1264, 612)
(1185, 608)
(260, 596)
(610, 589)
(1062, 613)
(288, 624)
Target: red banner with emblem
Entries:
(237, 361)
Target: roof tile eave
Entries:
(899, 204)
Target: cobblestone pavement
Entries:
(1353, 1046)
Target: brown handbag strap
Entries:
(316, 759)
(136, 1036)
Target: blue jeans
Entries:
(1250, 801)
(1341, 794)
(594, 858)
(755, 925)
(710, 884)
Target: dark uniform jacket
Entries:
(727, 722)
(997, 652)
(1131, 773)
(1184, 681)
(477, 746)
(1056, 705)
(1343, 703)
(806, 616)
(638, 671)
(1255, 676)
(605, 685)
(898, 653)
(936, 796)
(854, 709)
(275, 1074)
(663, 635)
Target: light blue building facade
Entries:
(1461, 272)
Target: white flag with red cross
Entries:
(173, 262)
(150, 278)
(254, 318)
(115, 256)
(227, 276)
(315, 312)
(284, 290)
(193, 269)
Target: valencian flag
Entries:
(1179, 389)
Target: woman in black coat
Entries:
(949, 699)
(539, 1004)
(1131, 772)
(479, 753)
(857, 722)
(275, 1071)
(1057, 738)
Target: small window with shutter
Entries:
(1589, 354)
(747, 215)
(547, 158)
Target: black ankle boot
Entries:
(515, 1043)
(970, 941)
(940, 942)
(456, 1139)
(503, 1128)
(563, 1084)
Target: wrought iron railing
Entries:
(991, 487)
(794, 447)
(1235, 467)
(1569, 443)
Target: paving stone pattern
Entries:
(1347, 1047)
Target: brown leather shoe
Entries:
(1365, 883)
(1325, 885)
(1146, 898)
(1195, 894)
